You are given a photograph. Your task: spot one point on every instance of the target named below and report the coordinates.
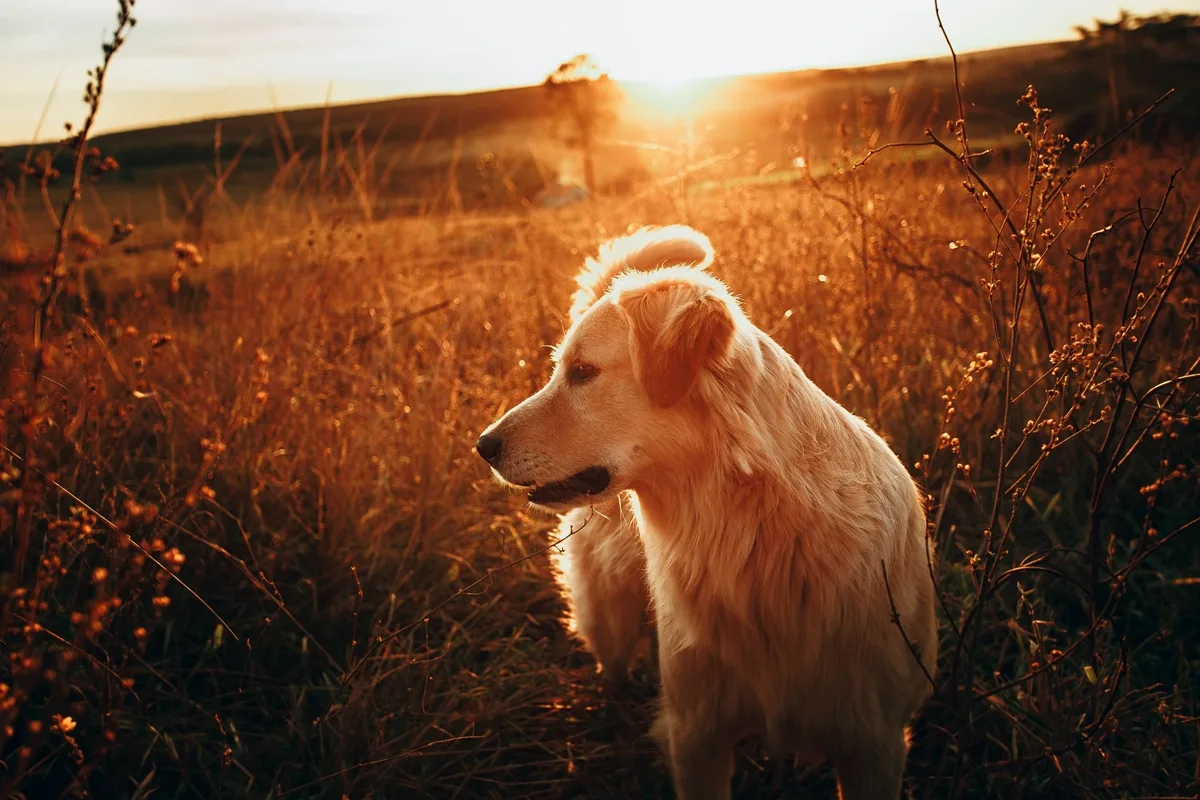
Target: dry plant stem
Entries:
(1007, 221)
(1012, 228)
(1147, 232)
(961, 126)
(1133, 123)
(1108, 452)
(912, 647)
(58, 260)
(53, 282)
(990, 556)
(376, 762)
(117, 529)
(330, 709)
(1085, 261)
(404, 320)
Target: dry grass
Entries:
(249, 552)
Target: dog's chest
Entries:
(708, 598)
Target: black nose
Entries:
(489, 447)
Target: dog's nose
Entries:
(489, 447)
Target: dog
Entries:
(784, 542)
(600, 570)
(599, 563)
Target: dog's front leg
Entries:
(872, 766)
(695, 727)
(700, 757)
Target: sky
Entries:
(190, 59)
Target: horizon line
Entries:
(379, 99)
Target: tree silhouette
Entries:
(584, 96)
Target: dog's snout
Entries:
(489, 447)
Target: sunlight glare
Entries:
(671, 96)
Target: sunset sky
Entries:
(197, 58)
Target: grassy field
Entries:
(248, 551)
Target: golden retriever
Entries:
(599, 564)
(600, 569)
(772, 522)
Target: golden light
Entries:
(669, 83)
(670, 96)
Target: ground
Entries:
(251, 551)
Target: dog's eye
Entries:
(581, 372)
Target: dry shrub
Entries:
(249, 549)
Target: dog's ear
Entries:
(677, 328)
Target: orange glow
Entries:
(670, 97)
(191, 60)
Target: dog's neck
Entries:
(767, 422)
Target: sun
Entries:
(670, 84)
(668, 80)
(669, 96)
(661, 83)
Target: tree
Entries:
(585, 96)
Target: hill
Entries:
(501, 148)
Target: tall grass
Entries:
(248, 551)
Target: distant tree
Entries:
(585, 97)
(1156, 28)
(1116, 29)
(1125, 46)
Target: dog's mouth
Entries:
(586, 483)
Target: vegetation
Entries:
(586, 98)
(247, 550)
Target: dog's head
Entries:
(626, 387)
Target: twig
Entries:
(875, 151)
(348, 677)
(57, 271)
(40, 628)
(130, 539)
(912, 646)
(1008, 222)
(376, 763)
(487, 576)
(56, 274)
(960, 129)
(404, 320)
(1107, 142)
(1087, 251)
(1147, 231)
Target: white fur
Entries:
(768, 515)
(600, 566)
(601, 572)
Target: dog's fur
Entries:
(601, 573)
(599, 565)
(769, 517)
